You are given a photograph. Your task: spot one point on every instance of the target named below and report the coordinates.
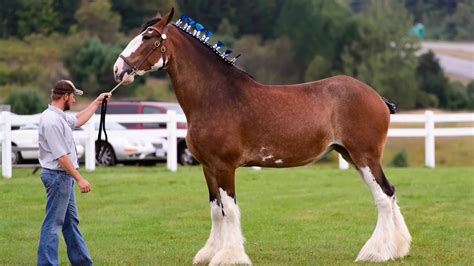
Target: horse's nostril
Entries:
(120, 77)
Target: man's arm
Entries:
(65, 162)
(84, 115)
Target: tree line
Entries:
(281, 42)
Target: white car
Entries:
(25, 144)
(125, 146)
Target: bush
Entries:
(26, 102)
(470, 93)
(457, 96)
(400, 159)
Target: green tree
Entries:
(65, 10)
(270, 62)
(383, 55)
(91, 67)
(318, 68)
(97, 18)
(431, 78)
(249, 17)
(208, 13)
(460, 25)
(135, 13)
(36, 17)
(8, 17)
(470, 93)
(315, 27)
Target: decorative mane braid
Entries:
(185, 23)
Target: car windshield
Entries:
(174, 107)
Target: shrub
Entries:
(457, 96)
(26, 102)
(470, 93)
(400, 159)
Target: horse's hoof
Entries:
(204, 255)
(229, 256)
(380, 247)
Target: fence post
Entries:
(172, 145)
(429, 140)
(6, 146)
(90, 146)
(343, 165)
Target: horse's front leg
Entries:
(226, 242)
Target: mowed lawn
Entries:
(300, 216)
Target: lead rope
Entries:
(100, 146)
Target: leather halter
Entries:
(157, 44)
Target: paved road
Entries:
(451, 64)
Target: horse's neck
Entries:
(200, 79)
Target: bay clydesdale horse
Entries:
(235, 121)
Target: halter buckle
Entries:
(157, 44)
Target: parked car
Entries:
(148, 107)
(124, 146)
(25, 144)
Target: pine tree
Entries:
(383, 55)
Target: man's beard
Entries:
(67, 106)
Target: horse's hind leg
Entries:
(226, 242)
(390, 238)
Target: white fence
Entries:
(89, 135)
(429, 132)
(171, 133)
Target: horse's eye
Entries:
(146, 37)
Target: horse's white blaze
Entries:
(226, 242)
(131, 47)
(390, 238)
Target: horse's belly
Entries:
(289, 155)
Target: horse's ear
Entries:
(168, 17)
(158, 14)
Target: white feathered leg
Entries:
(390, 238)
(402, 235)
(214, 243)
(232, 251)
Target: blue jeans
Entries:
(61, 213)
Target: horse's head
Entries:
(146, 52)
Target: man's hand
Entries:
(101, 98)
(84, 185)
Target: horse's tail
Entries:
(391, 106)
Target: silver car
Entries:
(124, 146)
(25, 144)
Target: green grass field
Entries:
(301, 216)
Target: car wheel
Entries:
(185, 157)
(16, 157)
(107, 157)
